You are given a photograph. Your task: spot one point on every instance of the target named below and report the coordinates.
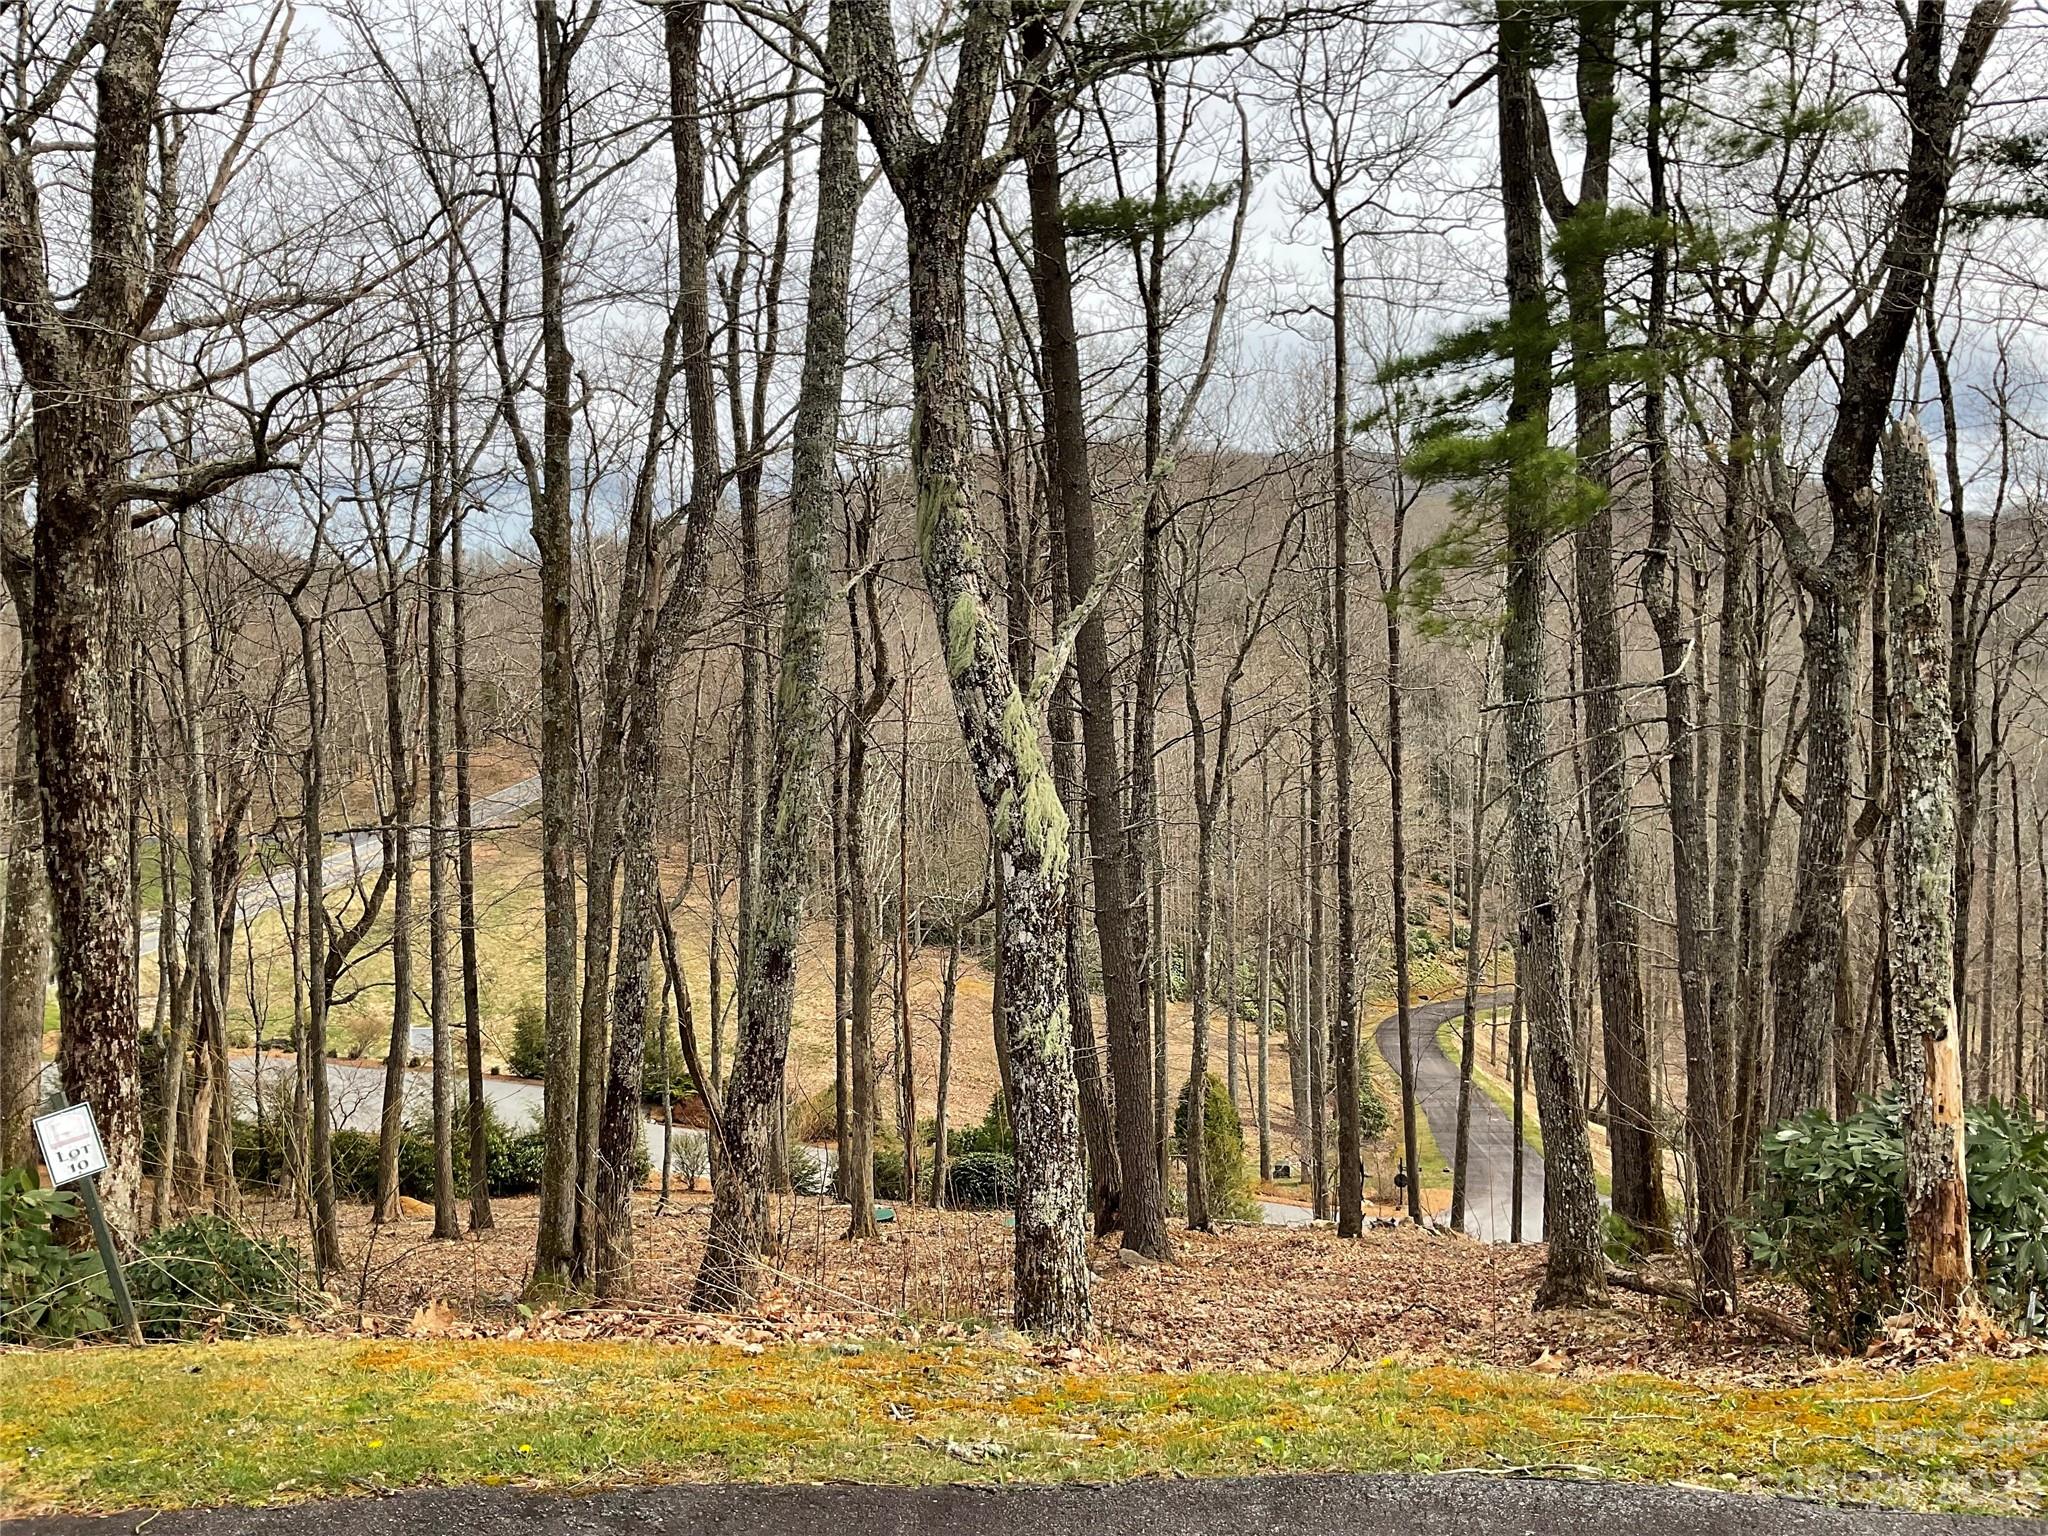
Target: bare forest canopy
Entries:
(818, 565)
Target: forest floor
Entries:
(1245, 1297)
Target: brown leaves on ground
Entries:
(1242, 1298)
(1924, 1338)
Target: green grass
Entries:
(290, 1419)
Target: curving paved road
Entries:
(357, 856)
(1329, 1505)
(1489, 1192)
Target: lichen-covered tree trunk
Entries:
(727, 1278)
(1002, 736)
(1936, 92)
(1574, 1273)
(940, 181)
(1923, 870)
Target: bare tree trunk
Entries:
(477, 1110)
(906, 1064)
(871, 684)
(1516, 1063)
(842, 918)
(939, 1105)
(1987, 990)
(1809, 958)
(1195, 1141)
(441, 853)
(398, 855)
(1140, 1205)
(1575, 1269)
(326, 1222)
(1162, 1091)
(75, 361)
(1344, 1033)
(2019, 945)
(1318, 952)
(1232, 1075)
(1733, 727)
(1397, 810)
(553, 534)
(206, 979)
(1098, 1118)
(1625, 1040)
(1706, 1123)
(1265, 1101)
(1475, 860)
(1923, 868)
(25, 935)
(25, 938)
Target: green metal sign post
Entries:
(69, 1138)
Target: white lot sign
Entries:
(70, 1140)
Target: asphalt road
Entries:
(1448, 1505)
(357, 856)
(1490, 1179)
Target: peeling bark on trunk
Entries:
(1807, 972)
(1923, 871)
